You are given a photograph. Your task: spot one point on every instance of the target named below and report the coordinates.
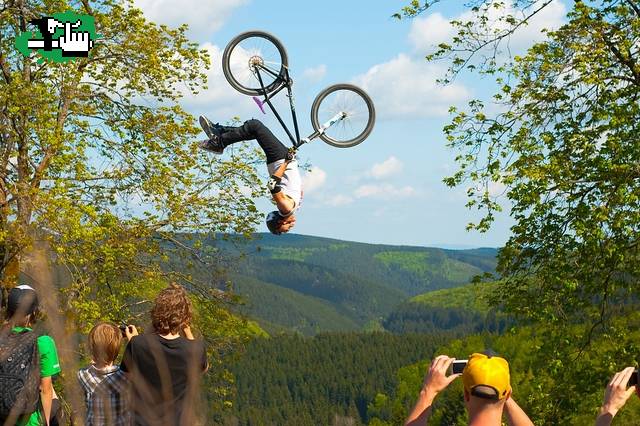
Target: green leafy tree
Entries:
(561, 136)
(98, 164)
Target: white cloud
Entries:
(426, 33)
(388, 167)
(406, 88)
(550, 18)
(385, 191)
(203, 17)
(339, 200)
(315, 74)
(493, 188)
(496, 189)
(220, 101)
(314, 179)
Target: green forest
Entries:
(369, 378)
(290, 379)
(106, 198)
(361, 284)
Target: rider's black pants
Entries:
(254, 129)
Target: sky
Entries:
(389, 188)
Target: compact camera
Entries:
(123, 328)
(458, 365)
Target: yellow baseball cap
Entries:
(489, 373)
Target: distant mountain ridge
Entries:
(312, 284)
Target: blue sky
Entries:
(389, 188)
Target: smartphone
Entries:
(458, 365)
(123, 329)
(633, 380)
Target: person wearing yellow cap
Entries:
(487, 392)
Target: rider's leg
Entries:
(254, 129)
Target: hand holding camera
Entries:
(128, 331)
(618, 391)
(436, 378)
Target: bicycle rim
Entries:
(359, 115)
(252, 53)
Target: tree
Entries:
(559, 138)
(98, 165)
(563, 144)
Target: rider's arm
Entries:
(284, 203)
(280, 170)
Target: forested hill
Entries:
(311, 284)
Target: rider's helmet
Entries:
(273, 222)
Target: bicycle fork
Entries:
(333, 120)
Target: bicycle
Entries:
(255, 63)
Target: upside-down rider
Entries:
(285, 183)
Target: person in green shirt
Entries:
(22, 308)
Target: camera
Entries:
(458, 365)
(123, 329)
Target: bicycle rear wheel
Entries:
(357, 108)
(251, 53)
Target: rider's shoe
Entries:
(212, 145)
(214, 132)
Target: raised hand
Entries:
(615, 396)
(436, 379)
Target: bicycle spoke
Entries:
(357, 114)
(251, 54)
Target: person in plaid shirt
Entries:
(105, 385)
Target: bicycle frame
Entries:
(288, 83)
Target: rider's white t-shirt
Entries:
(291, 182)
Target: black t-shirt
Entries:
(164, 375)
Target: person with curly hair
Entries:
(164, 367)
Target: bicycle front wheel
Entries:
(356, 109)
(252, 56)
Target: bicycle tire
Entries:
(330, 136)
(240, 83)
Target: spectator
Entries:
(18, 342)
(615, 396)
(164, 367)
(105, 384)
(487, 392)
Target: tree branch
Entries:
(626, 61)
(633, 6)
